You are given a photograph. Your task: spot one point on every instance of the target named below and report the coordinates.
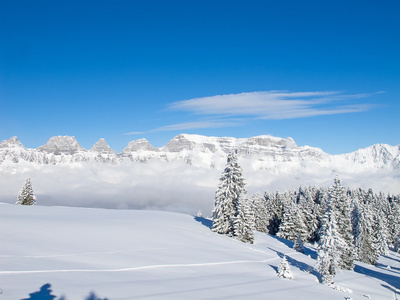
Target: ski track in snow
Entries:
(142, 267)
(133, 268)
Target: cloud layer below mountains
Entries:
(173, 186)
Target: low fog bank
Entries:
(173, 186)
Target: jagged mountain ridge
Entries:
(198, 150)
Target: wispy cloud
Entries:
(236, 109)
(199, 124)
(194, 125)
(135, 132)
(273, 104)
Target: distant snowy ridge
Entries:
(199, 150)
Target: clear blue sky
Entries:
(326, 73)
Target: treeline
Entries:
(371, 219)
(346, 224)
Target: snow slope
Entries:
(129, 254)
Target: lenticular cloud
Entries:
(273, 104)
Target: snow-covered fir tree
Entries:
(226, 205)
(26, 196)
(298, 244)
(393, 217)
(284, 269)
(292, 224)
(364, 240)
(330, 247)
(340, 203)
(243, 225)
(380, 223)
(276, 208)
(261, 217)
(305, 200)
(381, 234)
(397, 243)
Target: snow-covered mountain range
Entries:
(200, 151)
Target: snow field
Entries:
(129, 254)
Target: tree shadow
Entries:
(388, 268)
(275, 268)
(206, 222)
(288, 243)
(394, 281)
(393, 290)
(43, 294)
(391, 258)
(92, 296)
(299, 265)
(307, 251)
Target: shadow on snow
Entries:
(307, 251)
(206, 222)
(297, 264)
(394, 281)
(45, 294)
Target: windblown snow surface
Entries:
(141, 254)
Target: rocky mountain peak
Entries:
(62, 145)
(138, 145)
(102, 147)
(179, 143)
(12, 143)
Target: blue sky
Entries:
(326, 73)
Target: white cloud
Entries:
(134, 132)
(273, 104)
(218, 123)
(172, 186)
(236, 109)
(199, 124)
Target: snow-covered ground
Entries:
(131, 254)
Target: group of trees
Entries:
(347, 224)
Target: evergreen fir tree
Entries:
(227, 197)
(292, 224)
(364, 239)
(397, 243)
(261, 219)
(356, 200)
(298, 244)
(340, 203)
(393, 217)
(330, 246)
(284, 269)
(307, 207)
(243, 224)
(381, 234)
(276, 209)
(25, 196)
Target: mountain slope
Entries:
(127, 254)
